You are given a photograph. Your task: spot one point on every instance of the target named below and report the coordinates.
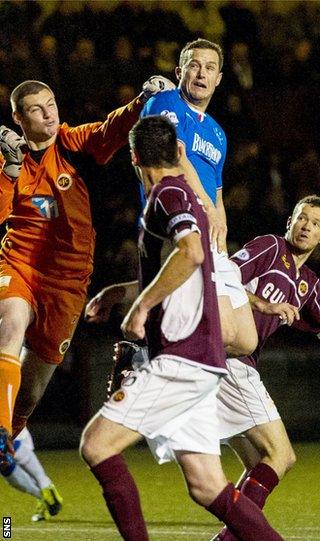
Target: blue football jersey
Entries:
(204, 139)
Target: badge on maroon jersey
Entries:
(303, 288)
(285, 262)
(242, 254)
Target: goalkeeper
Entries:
(46, 254)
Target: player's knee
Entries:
(198, 494)
(12, 331)
(87, 448)
(291, 460)
(204, 491)
(91, 451)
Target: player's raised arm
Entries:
(179, 266)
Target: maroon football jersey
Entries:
(269, 271)
(186, 324)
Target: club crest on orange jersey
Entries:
(64, 181)
(64, 346)
(303, 288)
(285, 262)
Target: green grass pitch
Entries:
(293, 509)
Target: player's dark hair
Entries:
(25, 89)
(154, 139)
(313, 200)
(201, 43)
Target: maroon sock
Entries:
(261, 480)
(243, 517)
(122, 498)
(258, 484)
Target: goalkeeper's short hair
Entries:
(25, 89)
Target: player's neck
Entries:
(152, 176)
(200, 105)
(300, 259)
(41, 145)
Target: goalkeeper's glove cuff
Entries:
(155, 84)
(10, 146)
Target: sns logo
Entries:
(64, 181)
(47, 206)
(6, 527)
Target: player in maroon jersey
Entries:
(282, 289)
(170, 399)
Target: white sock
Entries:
(20, 480)
(29, 462)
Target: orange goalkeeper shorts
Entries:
(57, 305)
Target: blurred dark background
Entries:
(95, 55)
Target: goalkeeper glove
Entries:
(155, 84)
(10, 146)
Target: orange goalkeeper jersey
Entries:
(48, 209)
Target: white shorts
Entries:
(228, 279)
(243, 401)
(172, 403)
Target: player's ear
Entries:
(17, 118)
(134, 158)
(178, 72)
(218, 81)
(180, 150)
(289, 221)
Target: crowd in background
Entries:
(97, 57)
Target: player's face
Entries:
(199, 76)
(304, 228)
(39, 118)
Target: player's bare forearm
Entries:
(216, 217)
(99, 308)
(178, 267)
(286, 311)
(221, 223)
(193, 179)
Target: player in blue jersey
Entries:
(199, 73)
